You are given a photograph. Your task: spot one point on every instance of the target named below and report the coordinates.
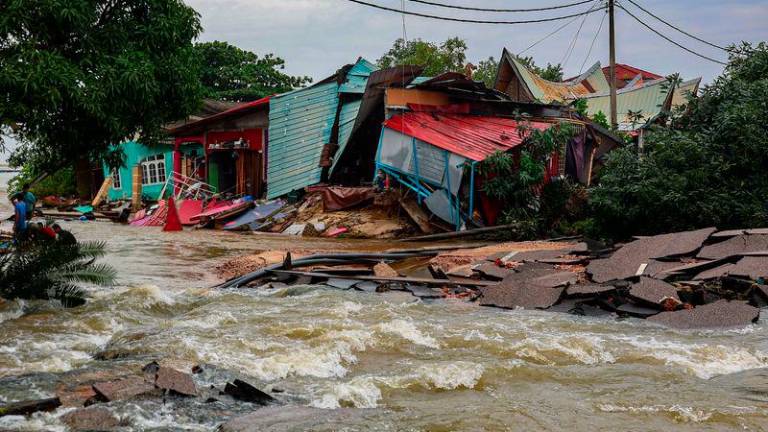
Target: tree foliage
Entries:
(448, 56)
(60, 183)
(232, 74)
(706, 169)
(550, 72)
(78, 76)
(486, 71)
(515, 182)
(53, 271)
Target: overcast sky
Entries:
(316, 37)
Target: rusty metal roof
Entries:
(590, 82)
(473, 137)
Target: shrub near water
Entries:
(708, 167)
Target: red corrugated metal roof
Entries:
(626, 72)
(222, 115)
(474, 137)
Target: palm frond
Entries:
(92, 249)
(99, 274)
(68, 295)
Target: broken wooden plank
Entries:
(386, 279)
(417, 215)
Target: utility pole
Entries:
(612, 79)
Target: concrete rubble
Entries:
(685, 280)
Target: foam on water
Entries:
(407, 330)
(361, 392)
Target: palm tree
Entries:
(53, 271)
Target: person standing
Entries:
(29, 199)
(20, 217)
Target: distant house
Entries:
(642, 96)
(156, 163)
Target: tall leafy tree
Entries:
(449, 56)
(550, 72)
(707, 168)
(77, 76)
(233, 74)
(486, 71)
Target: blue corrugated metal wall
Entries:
(300, 124)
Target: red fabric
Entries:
(189, 208)
(474, 137)
(172, 222)
(48, 231)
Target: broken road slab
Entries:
(653, 291)
(735, 246)
(720, 314)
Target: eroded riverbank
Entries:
(408, 364)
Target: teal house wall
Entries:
(136, 153)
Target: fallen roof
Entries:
(684, 91)
(591, 81)
(649, 100)
(473, 137)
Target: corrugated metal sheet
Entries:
(300, 124)
(591, 81)
(357, 77)
(684, 90)
(347, 119)
(473, 137)
(649, 99)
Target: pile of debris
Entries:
(87, 392)
(695, 279)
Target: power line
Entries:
(670, 40)
(443, 5)
(533, 21)
(679, 29)
(569, 50)
(592, 45)
(557, 30)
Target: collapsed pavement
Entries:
(687, 280)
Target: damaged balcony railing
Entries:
(185, 187)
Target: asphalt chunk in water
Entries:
(175, 381)
(635, 257)
(636, 311)
(123, 389)
(492, 271)
(653, 291)
(243, 391)
(588, 290)
(560, 278)
(720, 314)
(424, 292)
(751, 267)
(735, 246)
(515, 291)
(91, 419)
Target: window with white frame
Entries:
(116, 180)
(153, 170)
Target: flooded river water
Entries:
(403, 363)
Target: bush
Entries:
(62, 183)
(707, 168)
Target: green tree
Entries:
(230, 73)
(707, 169)
(449, 56)
(53, 271)
(550, 72)
(78, 76)
(486, 71)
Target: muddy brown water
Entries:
(405, 364)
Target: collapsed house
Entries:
(642, 98)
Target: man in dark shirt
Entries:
(64, 236)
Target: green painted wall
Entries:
(134, 154)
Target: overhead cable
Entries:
(678, 28)
(592, 45)
(557, 30)
(472, 21)
(668, 39)
(469, 8)
(572, 46)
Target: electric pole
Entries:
(612, 79)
